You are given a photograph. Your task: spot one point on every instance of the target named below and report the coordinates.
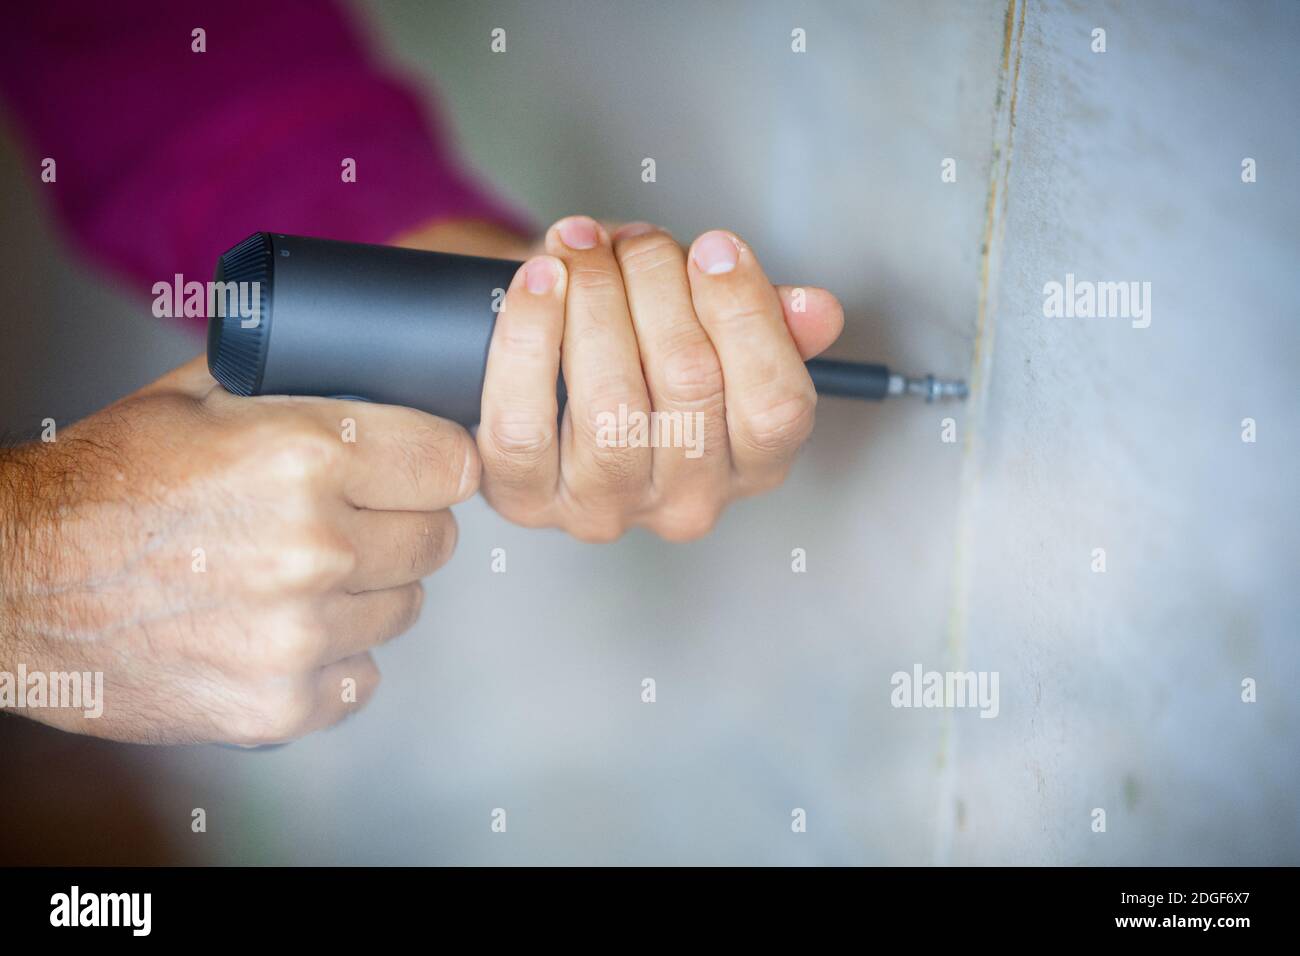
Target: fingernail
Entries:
(634, 229)
(715, 253)
(540, 275)
(579, 232)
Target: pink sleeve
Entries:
(166, 157)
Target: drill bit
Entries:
(932, 388)
(873, 382)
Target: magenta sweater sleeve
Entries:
(165, 157)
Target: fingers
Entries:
(281, 709)
(769, 396)
(393, 548)
(358, 622)
(316, 674)
(519, 422)
(406, 460)
(394, 458)
(386, 457)
(342, 689)
(603, 377)
(682, 372)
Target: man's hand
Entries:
(226, 563)
(702, 340)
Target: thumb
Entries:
(814, 316)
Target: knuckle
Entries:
(739, 316)
(525, 441)
(613, 469)
(620, 475)
(316, 561)
(603, 531)
(781, 424)
(526, 340)
(762, 482)
(292, 645)
(692, 373)
(295, 450)
(528, 509)
(594, 280)
(681, 530)
(650, 253)
(604, 395)
(270, 715)
(688, 520)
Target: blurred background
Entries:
(1119, 690)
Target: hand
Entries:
(703, 341)
(226, 563)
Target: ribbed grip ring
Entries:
(237, 355)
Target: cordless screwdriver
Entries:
(402, 327)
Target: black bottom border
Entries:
(215, 904)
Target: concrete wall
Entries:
(1118, 691)
(1123, 689)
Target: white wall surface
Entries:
(1122, 690)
